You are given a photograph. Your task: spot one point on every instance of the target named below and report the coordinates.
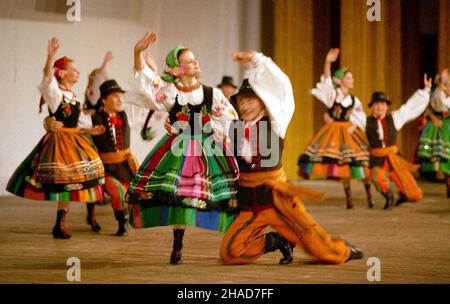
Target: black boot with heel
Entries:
(122, 220)
(348, 195)
(389, 200)
(91, 219)
(176, 257)
(274, 241)
(59, 230)
(370, 199)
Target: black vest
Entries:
(189, 110)
(372, 132)
(340, 113)
(269, 152)
(105, 142)
(267, 157)
(374, 139)
(67, 113)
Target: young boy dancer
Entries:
(266, 104)
(381, 129)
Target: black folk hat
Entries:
(109, 87)
(227, 80)
(245, 89)
(379, 97)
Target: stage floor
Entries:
(412, 243)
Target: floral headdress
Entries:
(338, 76)
(172, 62)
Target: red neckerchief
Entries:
(116, 121)
(247, 133)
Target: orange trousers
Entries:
(382, 175)
(117, 190)
(244, 241)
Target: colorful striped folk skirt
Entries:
(64, 167)
(185, 180)
(434, 147)
(335, 153)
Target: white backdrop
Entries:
(211, 28)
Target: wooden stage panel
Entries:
(412, 242)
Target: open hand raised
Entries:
(145, 42)
(53, 46)
(244, 57)
(332, 55)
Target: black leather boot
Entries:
(389, 200)
(176, 256)
(370, 199)
(401, 200)
(91, 219)
(122, 220)
(60, 231)
(274, 241)
(348, 196)
(355, 252)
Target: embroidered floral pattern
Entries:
(233, 203)
(182, 117)
(184, 114)
(232, 112)
(206, 116)
(33, 182)
(218, 111)
(160, 96)
(160, 87)
(157, 82)
(337, 111)
(67, 111)
(146, 195)
(194, 202)
(73, 187)
(66, 103)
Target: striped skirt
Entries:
(434, 147)
(64, 166)
(335, 153)
(185, 180)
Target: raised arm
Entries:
(148, 90)
(140, 47)
(324, 90)
(151, 63)
(414, 107)
(52, 48)
(106, 61)
(96, 79)
(272, 85)
(331, 57)
(49, 87)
